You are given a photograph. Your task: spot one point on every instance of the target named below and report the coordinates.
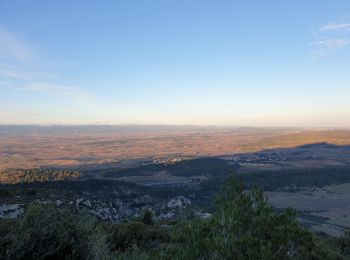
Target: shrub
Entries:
(243, 227)
(147, 217)
(46, 232)
(133, 233)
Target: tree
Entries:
(243, 227)
(147, 217)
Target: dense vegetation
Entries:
(100, 188)
(274, 180)
(243, 226)
(36, 175)
(281, 180)
(209, 166)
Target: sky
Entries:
(197, 62)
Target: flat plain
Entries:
(79, 146)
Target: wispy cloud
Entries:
(5, 73)
(331, 43)
(13, 47)
(18, 71)
(335, 27)
(74, 92)
(330, 38)
(22, 74)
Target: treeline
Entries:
(275, 180)
(99, 187)
(202, 166)
(37, 175)
(243, 226)
(278, 180)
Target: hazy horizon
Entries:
(142, 126)
(256, 64)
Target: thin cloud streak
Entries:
(5, 73)
(335, 26)
(17, 72)
(74, 92)
(330, 38)
(327, 45)
(24, 74)
(12, 47)
(332, 44)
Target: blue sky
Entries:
(252, 63)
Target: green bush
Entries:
(133, 233)
(46, 232)
(147, 217)
(343, 244)
(243, 227)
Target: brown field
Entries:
(28, 147)
(330, 202)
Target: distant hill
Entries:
(14, 130)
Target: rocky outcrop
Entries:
(174, 207)
(107, 214)
(78, 201)
(11, 210)
(87, 203)
(113, 210)
(167, 215)
(179, 202)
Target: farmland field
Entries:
(59, 146)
